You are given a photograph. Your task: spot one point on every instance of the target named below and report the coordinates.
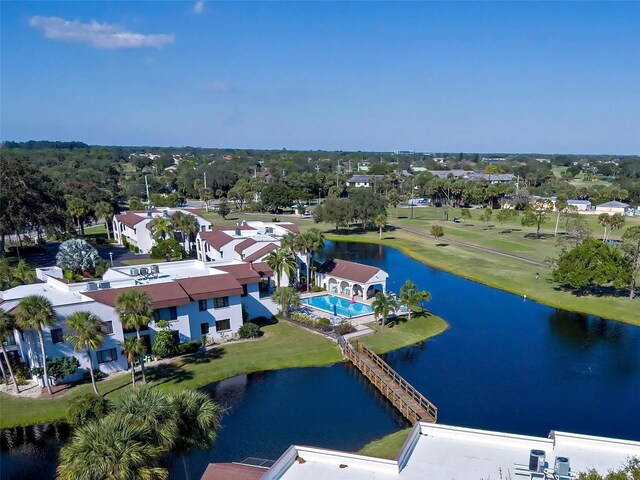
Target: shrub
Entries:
(20, 370)
(86, 408)
(97, 374)
(164, 345)
(344, 328)
(61, 367)
(168, 249)
(77, 255)
(191, 346)
(317, 288)
(249, 330)
(322, 324)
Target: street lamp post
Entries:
(111, 258)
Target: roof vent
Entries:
(562, 467)
(135, 272)
(103, 285)
(536, 460)
(92, 286)
(149, 213)
(237, 231)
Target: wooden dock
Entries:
(410, 402)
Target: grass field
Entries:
(386, 447)
(283, 346)
(421, 327)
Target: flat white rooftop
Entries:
(441, 452)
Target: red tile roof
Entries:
(233, 471)
(129, 219)
(293, 228)
(167, 294)
(349, 270)
(244, 245)
(248, 273)
(216, 238)
(258, 254)
(211, 286)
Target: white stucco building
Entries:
(134, 226)
(613, 208)
(350, 278)
(197, 298)
(442, 452)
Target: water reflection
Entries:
(585, 330)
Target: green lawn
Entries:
(283, 346)
(386, 447)
(421, 327)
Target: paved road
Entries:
(476, 247)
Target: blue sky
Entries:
(471, 77)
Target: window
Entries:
(170, 314)
(221, 302)
(204, 328)
(56, 335)
(173, 313)
(222, 325)
(109, 355)
(142, 329)
(202, 305)
(245, 290)
(203, 228)
(10, 340)
(106, 328)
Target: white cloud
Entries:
(219, 87)
(198, 7)
(99, 35)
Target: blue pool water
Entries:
(343, 307)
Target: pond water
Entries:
(504, 364)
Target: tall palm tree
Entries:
(131, 349)
(87, 337)
(112, 448)
(615, 222)
(411, 296)
(283, 262)
(287, 298)
(161, 228)
(135, 309)
(104, 210)
(35, 312)
(381, 222)
(187, 225)
(604, 219)
(7, 326)
(24, 273)
(150, 407)
(383, 305)
(309, 242)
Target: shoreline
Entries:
(399, 245)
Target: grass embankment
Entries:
(404, 333)
(283, 346)
(386, 447)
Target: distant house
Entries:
(360, 181)
(580, 205)
(613, 207)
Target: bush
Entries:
(20, 370)
(322, 324)
(164, 345)
(97, 374)
(168, 249)
(86, 408)
(344, 328)
(317, 288)
(61, 367)
(249, 330)
(78, 256)
(191, 346)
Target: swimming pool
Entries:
(343, 306)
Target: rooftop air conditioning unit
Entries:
(155, 269)
(92, 286)
(165, 214)
(103, 285)
(562, 467)
(144, 271)
(536, 460)
(135, 272)
(237, 232)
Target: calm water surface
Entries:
(504, 364)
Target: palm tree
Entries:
(383, 305)
(604, 219)
(615, 222)
(381, 222)
(35, 312)
(7, 326)
(411, 297)
(24, 272)
(104, 210)
(283, 262)
(287, 298)
(87, 337)
(135, 309)
(187, 225)
(161, 228)
(112, 448)
(153, 408)
(131, 349)
(77, 208)
(309, 242)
